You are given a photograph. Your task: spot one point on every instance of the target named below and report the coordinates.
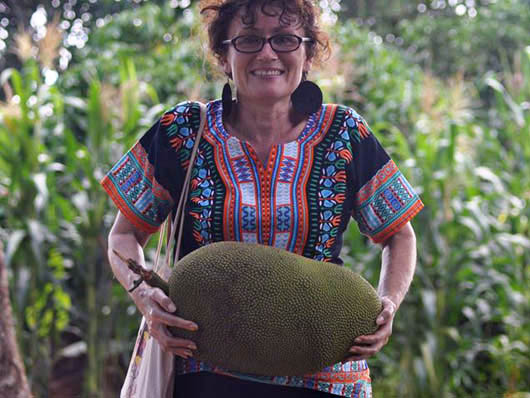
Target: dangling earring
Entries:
(226, 99)
(307, 98)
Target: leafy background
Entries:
(444, 85)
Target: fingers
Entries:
(158, 308)
(366, 350)
(369, 345)
(359, 352)
(388, 311)
(159, 316)
(381, 335)
(163, 300)
(181, 347)
(158, 296)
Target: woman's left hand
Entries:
(369, 345)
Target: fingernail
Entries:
(193, 326)
(192, 346)
(189, 353)
(172, 307)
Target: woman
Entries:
(272, 168)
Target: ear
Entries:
(307, 65)
(227, 69)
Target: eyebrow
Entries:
(282, 29)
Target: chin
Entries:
(272, 98)
(269, 94)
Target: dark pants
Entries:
(211, 385)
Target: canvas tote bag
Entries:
(151, 370)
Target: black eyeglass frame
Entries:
(269, 39)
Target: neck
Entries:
(265, 123)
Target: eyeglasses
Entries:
(283, 43)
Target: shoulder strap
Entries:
(170, 226)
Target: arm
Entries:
(156, 307)
(126, 239)
(398, 265)
(397, 270)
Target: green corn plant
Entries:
(106, 134)
(28, 225)
(456, 330)
(53, 210)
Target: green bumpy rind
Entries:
(267, 311)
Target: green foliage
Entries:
(475, 45)
(28, 172)
(49, 311)
(55, 217)
(464, 328)
(174, 67)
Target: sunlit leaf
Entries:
(13, 242)
(516, 109)
(75, 102)
(473, 226)
(515, 239)
(42, 196)
(429, 303)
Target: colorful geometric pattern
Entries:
(202, 193)
(301, 200)
(350, 379)
(387, 199)
(138, 195)
(263, 201)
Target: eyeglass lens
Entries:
(256, 43)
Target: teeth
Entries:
(267, 72)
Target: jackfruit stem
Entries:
(146, 275)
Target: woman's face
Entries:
(265, 76)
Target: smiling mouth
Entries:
(267, 73)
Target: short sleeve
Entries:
(138, 183)
(384, 201)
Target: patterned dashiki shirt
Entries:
(301, 200)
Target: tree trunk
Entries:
(13, 381)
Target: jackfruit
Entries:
(267, 311)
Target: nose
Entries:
(267, 52)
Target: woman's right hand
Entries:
(153, 303)
(158, 310)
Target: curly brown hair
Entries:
(218, 15)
